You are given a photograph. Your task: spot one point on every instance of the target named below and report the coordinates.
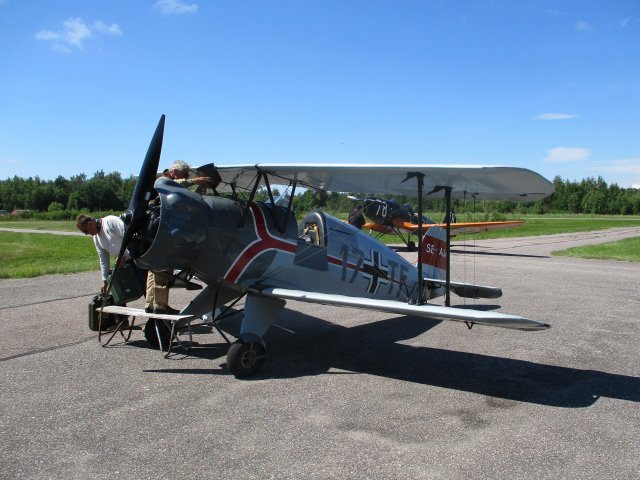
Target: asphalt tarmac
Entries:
(344, 394)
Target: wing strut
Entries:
(447, 298)
(253, 195)
(262, 175)
(281, 228)
(420, 178)
(289, 206)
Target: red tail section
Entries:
(434, 253)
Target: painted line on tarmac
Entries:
(48, 349)
(49, 301)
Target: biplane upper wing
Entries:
(435, 312)
(480, 182)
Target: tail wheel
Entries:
(245, 359)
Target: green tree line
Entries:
(110, 192)
(102, 192)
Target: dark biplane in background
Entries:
(390, 217)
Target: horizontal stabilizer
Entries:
(435, 312)
(468, 290)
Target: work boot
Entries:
(166, 310)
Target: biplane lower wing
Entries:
(435, 312)
(376, 227)
(463, 227)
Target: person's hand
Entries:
(103, 289)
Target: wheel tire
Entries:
(151, 335)
(411, 246)
(245, 359)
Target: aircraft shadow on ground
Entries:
(477, 252)
(302, 345)
(497, 254)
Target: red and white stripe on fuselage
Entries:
(264, 242)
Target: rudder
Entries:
(434, 253)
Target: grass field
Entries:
(57, 225)
(627, 250)
(25, 255)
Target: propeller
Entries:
(134, 216)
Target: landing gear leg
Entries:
(245, 359)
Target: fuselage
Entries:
(225, 241)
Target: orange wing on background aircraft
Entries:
(389, 217)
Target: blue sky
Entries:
(549, 85)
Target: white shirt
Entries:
(108, 242)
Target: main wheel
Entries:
(411, 246)
(245, 359)
(151, 335)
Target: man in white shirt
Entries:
(108, 233)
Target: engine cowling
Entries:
(176, 228)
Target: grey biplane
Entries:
(260, 252)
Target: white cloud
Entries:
(627, 171)
(555, 116)
(11, 161)
(625, 21)
(567, 154)
(175, 7)
(582, 25)
(74, 33)
(626, 165)
(113, 29)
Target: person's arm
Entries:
(201, 181)
(105, 265)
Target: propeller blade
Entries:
(142, 192)
(135, 215)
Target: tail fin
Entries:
(434, 253)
